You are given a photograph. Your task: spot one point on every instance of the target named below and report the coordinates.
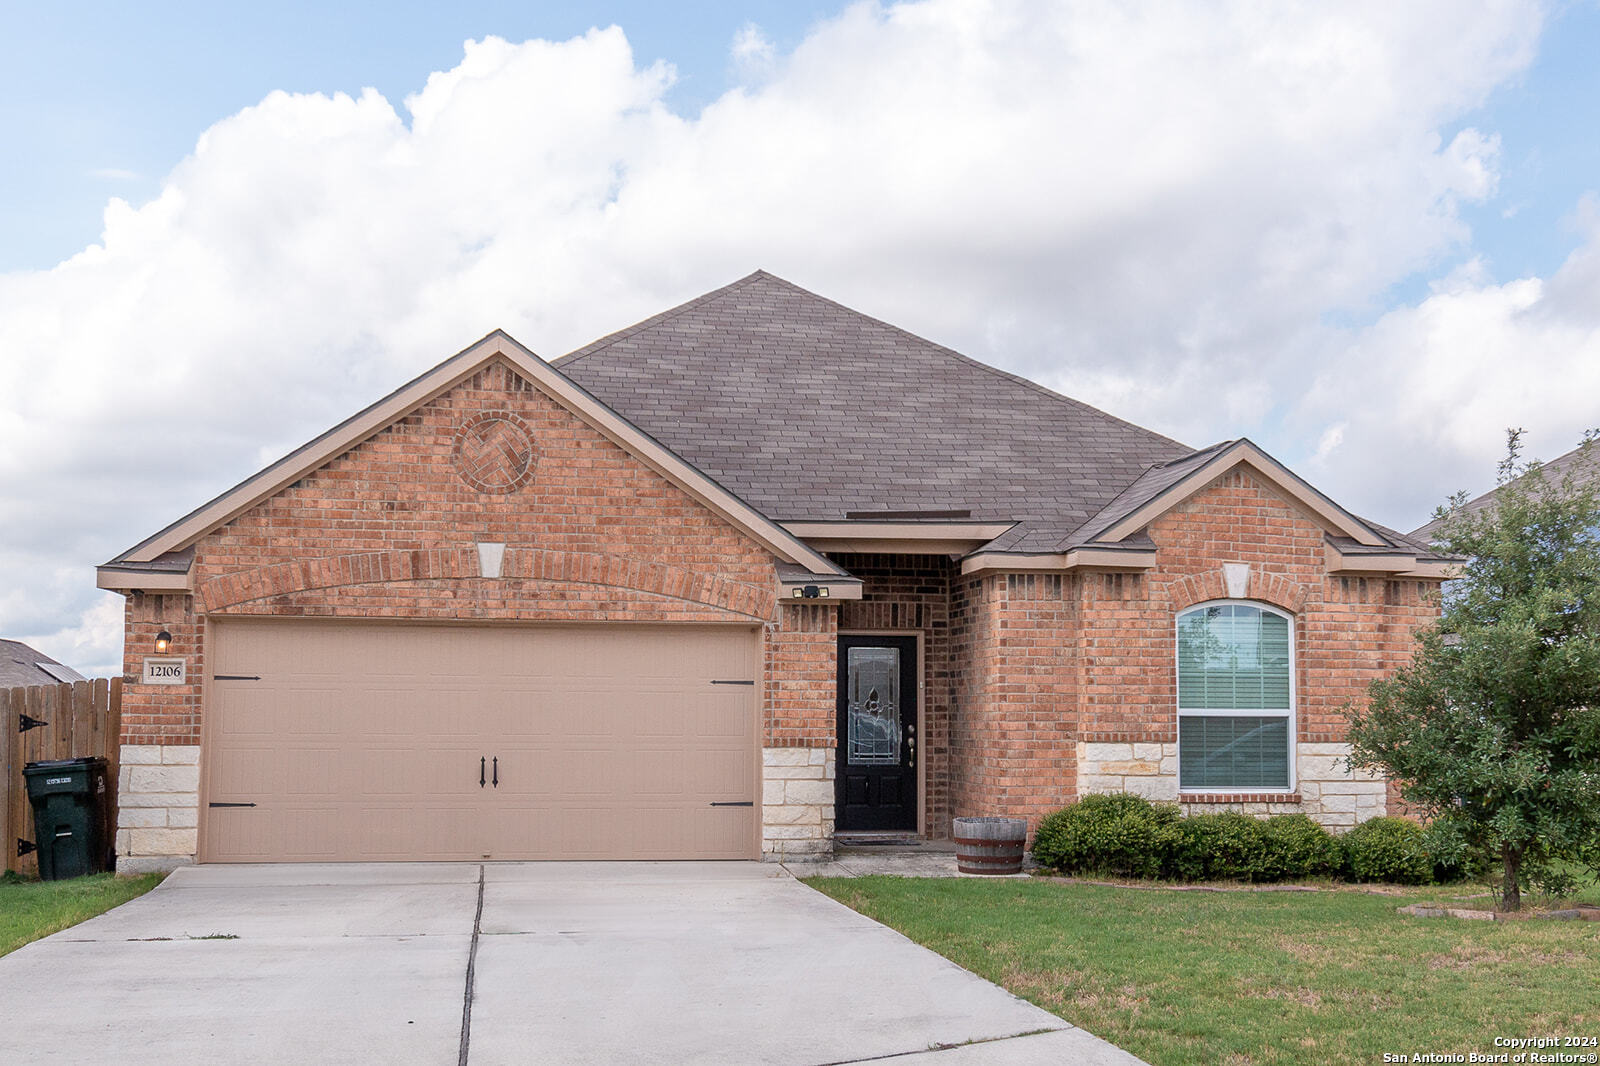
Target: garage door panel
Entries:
(245, 770)
(718, 719)
(612, 742)
(310, 772)
(659, 774)
(661, 714)
(251, 713)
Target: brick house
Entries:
(749, 576)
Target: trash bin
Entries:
(71, 816)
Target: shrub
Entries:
(1128, 836)
(1294, 846)
(1106, 834)
(1212, 847)
(1388, 849)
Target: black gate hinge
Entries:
(26, 722)
(25, 846)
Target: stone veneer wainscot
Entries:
(796, 804)
(158, 807)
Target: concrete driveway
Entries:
(506, 964)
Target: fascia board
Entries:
(1075, 559)
(114, 579)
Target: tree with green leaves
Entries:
(1493, 730)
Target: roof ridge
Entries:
(1196, 452)
(609, 339)
(1016, 379)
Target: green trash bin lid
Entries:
(56, 764)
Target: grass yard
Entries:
(1254, 977)
(33, 909)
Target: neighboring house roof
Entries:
(801, 420)
(1584, 469)
(21, 666)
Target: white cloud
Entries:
(1427, 394)
(1330, 441)
(93, 645)
(1153, 209)
(754, 57)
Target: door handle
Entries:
(497, 771)
(482, 765)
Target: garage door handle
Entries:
(483, 765)
(497, 771)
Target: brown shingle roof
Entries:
(808, 410)
(22, 666)
(1583, 471)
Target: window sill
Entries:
(1239, 797)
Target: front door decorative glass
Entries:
(873, 701)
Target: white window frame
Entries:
(1292, 714)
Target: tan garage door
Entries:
(333, 741)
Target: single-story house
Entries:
(23, 667)
(748, 577)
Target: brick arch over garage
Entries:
(1274, 589)
(520, 564)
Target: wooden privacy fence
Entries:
(82, 719)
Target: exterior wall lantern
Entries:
(163, 642)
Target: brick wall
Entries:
(1067, 683)
(801, 678)
(389, 530)
(1015, 709)
(161, 714)
(911, 594)
(1347, 631)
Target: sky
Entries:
(1365, 235)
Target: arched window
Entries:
(1235, 699)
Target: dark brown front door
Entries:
(876, 785)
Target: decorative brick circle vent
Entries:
(494, 452)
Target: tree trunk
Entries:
(1510, 889)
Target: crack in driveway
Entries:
(947, 1047)
(472, 967)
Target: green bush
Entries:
(1294, 846)
(1119, 834)
(1128, 836)
(1388, 849)
(1214, 847)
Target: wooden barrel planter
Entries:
(989, 845)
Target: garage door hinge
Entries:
(733, 682)
(235, 677)
(735, 803)
(230, 805)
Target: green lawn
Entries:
(1254, 977)
(32, 909)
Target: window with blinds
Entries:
(1235, 698)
